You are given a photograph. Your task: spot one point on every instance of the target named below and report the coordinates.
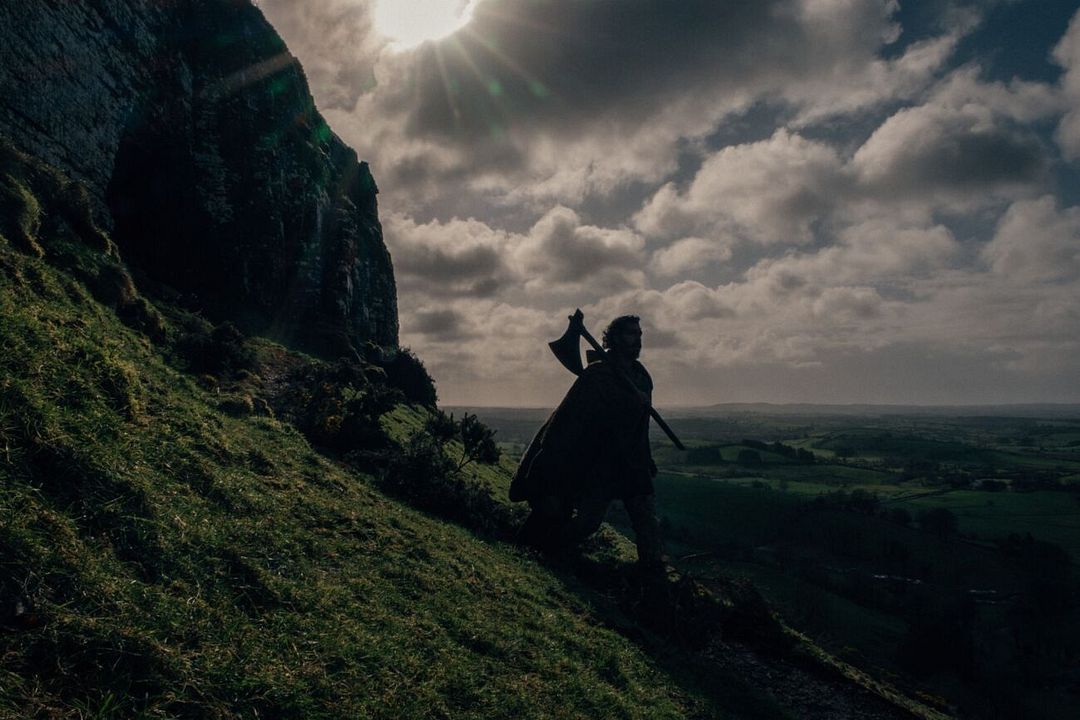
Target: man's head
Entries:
(623, 337)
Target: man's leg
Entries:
(591, 509)
(642, 512)
(546, 523)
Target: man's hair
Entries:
(616, 326)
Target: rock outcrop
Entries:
(197, 138)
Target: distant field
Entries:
(1050, 516)
(719, 512)
(1047, 515)
(871, 583)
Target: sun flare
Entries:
(409, 23)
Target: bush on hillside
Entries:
(478, 442)
(441, 426)
(422, 474)
(407, 373)
(221, 350)
(337, 406)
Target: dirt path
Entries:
(806, 695)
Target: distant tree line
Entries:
(799, 455)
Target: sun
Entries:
(408, 23)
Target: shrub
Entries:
(478, 441)
(222, 350)
(423, 475)
(441, 426)
(406, 372)
(337, 407)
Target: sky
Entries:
(826, 201)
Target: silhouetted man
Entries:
(594, 449)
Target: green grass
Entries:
(180, 562)
(721, 512)
(1047, 515)
(857, 634)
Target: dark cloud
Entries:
(462, 257)
(884, 229)
(441, 325)
(554, 64)
(448, 264)
(932, 158)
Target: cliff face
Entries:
(194, 130)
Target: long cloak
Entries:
(596, 439)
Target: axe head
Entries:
(568, 348)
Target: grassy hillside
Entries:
(163, 557)
(198, 524)
(171, 547)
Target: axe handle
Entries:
(664, 426)
(652, 411)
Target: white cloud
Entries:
(1035, 242)
(956, 149)
(868, 85)
(460, 257)
(560, 250)
(690, 254)
(1067, 55)
(771, 192)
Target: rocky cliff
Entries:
(196, 135)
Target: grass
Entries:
(722, 513)
(162, 558)
(181, 562)
(1046, 515)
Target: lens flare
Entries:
(409, 23)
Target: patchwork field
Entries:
(940, 549)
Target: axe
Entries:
(568, 350)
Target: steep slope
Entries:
(197, 139)
(180, 536)
(169, 548)
(159, 556)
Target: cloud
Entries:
(460, 257)
(693, 301)
(798, 196)
(560, 250)
(336, 42)
(771, 191)
(956, 146)
(440, 325)
(1035, 242)
(558, 256)
(967, 145)
(690, 254)
(554, 101)
(848, 303)
(1067, 55)
(870, 84)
